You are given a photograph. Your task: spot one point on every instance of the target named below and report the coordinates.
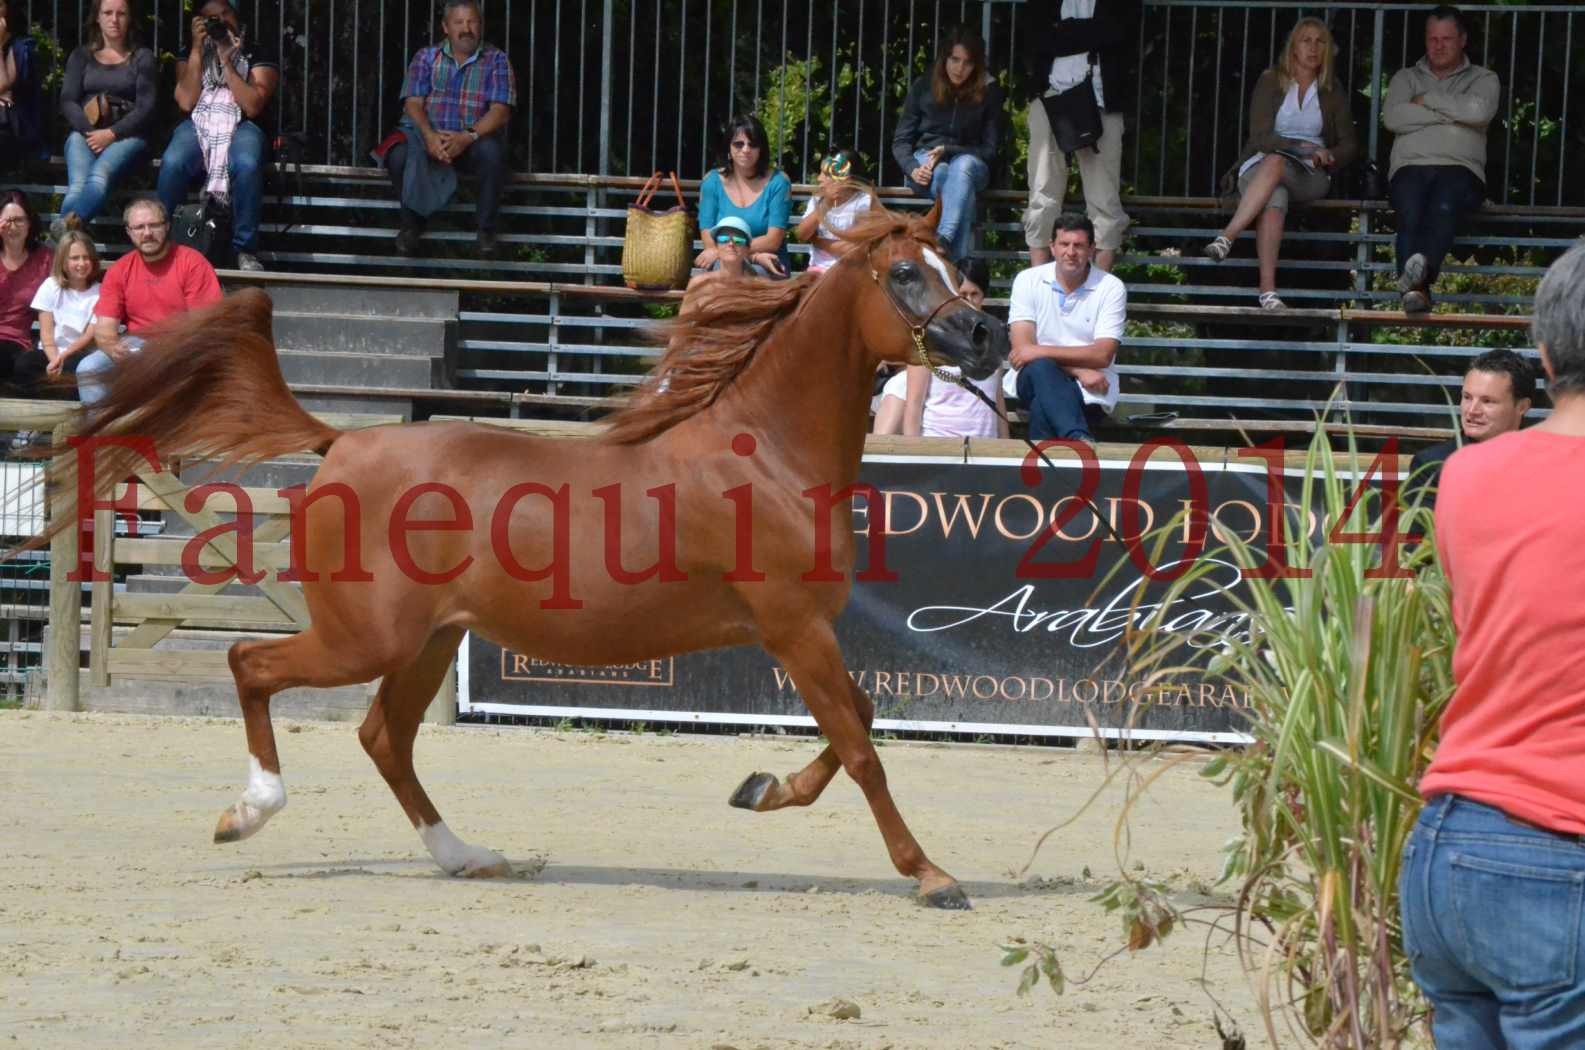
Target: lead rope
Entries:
(990, 402)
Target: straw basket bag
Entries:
(657, 251)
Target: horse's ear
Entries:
(933, 216)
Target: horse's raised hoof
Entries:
(948, 898)
(239, 822)
(752, 792)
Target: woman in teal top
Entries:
(746, 187)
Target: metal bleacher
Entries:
(546, 328)
(550, 320)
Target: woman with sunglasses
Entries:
(731, 239)
(746, 188)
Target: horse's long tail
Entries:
(206, 386)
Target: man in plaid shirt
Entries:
(457, 100)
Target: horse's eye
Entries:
(905, 272)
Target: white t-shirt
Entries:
(1296, 119)
(951, 411)
(72, 310)
(1068, 70)
(1094, 310)
(839, 217)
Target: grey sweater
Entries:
(136, 80)
(1448, 126)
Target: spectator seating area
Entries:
(547, 329)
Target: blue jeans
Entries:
(1494, 924)
(90, 175)
(1055, 403)
(90, 388)
(183, 165)
(1431, 200)
(955, 184)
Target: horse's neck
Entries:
(807, 392)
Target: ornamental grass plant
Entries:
(1347, 664)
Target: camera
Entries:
(217, 30)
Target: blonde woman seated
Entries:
(841, 199)
(917, 403)
(1300, 134)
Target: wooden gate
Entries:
(148, 616)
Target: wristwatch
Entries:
(474, 133)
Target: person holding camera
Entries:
(108, 97)
(226, 84)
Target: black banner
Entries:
(988, 627)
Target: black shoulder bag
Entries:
(205, 227)
(1074, 116)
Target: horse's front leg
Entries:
(762, 792)
(811, 656)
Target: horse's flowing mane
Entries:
(723, 324)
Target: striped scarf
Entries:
(215, 119)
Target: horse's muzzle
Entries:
(974, 341)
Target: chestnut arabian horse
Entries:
(412, 534)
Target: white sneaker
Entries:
(248, 261)
(23, 439)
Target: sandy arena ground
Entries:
(647, 913)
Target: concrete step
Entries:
(363, 370)
(364, 333)
(272, 474)
(374, 402)
(369, 302)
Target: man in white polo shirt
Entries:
(1066, 319)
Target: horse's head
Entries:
(913, 313)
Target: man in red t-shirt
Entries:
(156, 280)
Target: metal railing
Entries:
(626, 88)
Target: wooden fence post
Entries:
(66, 601)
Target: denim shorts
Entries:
(1493, 911)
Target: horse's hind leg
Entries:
(762, 792)
(262, 669)
(387, 735)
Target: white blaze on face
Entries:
(942, 268)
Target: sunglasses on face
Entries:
(732, 238)
(742, 144)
